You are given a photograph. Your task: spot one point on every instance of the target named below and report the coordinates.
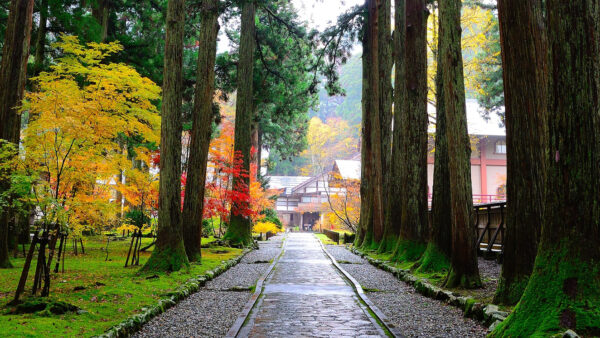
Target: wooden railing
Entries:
(490, 221)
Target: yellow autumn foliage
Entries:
(264, 227)
(76, 112)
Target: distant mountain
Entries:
(347, 107)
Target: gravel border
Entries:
(488, 314)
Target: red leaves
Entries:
(229, 189)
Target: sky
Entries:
(318, 14)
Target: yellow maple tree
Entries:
(77, 111)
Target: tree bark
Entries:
(413, 140)
(365, 153)
(40, 43)
(240, 227)
(464, 271)
(564, 288)
(13, 72)
(437, 255)
(169, 253)
(254, 142)
(101, 13)
(525, 59)
(372, 130)
(385, 117)
(376, 113)
(193, 204)
(393, 211)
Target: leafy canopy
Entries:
(78, 111)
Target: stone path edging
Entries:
(392, 329)
(488, 314)
(239, 322)
(133, 323)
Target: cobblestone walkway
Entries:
(306, 296)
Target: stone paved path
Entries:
(306, 296)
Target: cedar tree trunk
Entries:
(169, 252)
(365, 153)
(413, 140)
(564, 288)
(40, 43)
(437, 255)
(525, 59)
(239, 231)
(13, 72)
(393, 211)
(373, 165)
(385, 117)
(464, 271)
(193, 204)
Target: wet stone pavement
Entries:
(306, 296)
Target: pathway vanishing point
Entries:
(305, 295)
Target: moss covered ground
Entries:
(326, 241)
(106, 291)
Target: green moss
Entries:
(388, 244)
(563, 293)
(408, 251)
(510, 294)
(196, 258)
(368, 242)
(325, 240)
(432, 260)
(469, 306)
(456, 280)
(167, 259)
(238, 232)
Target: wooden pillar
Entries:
(483, 167)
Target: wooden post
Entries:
(129, 252)
(25, 272)
(60, 250)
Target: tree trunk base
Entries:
(195, 256)
(563, 293)
(388, 244)
(510, 292)
(167, 259)
(408, 251)
(432, 260)
(369, 241)
(463, 281)
(5, 263)
(239, 232)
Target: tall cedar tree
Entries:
(525, 55)
(240, 227)
(13, 72)
(393, 211)
(464, 271)
(564, 288)
(413, 139)
(439, 248)
(385, 113)
(169, 253)
(365, 156)
(193, 204)
(101, 12)
(40, 42)
(374, 220)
